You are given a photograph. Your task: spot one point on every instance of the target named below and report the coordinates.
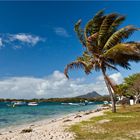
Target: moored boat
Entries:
(16, 103)
(32, 104)
(19, 103)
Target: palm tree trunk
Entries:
(110, 83)
(110, 92)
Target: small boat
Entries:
(64, 103)
(19, 103)
(11, 105)
(16, 103)
(77, 104)
(32, 104)
(106, 102)
(73, 104)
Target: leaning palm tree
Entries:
(105, 47)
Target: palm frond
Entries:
(114, 26)
(109, 66)
(86, 57)
(122, 53)
(105, 26)
(92, 40)
(76, 65)
(88, 61)
(118, 21)
(94, 24)
(92, 44)
(99, 14)
(125, 65)
(80, 32)
(118, 36)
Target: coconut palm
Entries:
(105, 47)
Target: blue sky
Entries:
(37, 38)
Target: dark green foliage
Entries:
(65, 100)
(104, 28)
(119, 36)
(130, 86)
(93, 26)
(80, 33)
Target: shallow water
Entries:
(10, 116)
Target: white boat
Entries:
(16, 103)
(70, 103)
(32, 104)
(77, 104)
(106, 102)
(73, 103)
(19, 103)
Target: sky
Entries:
(37, 40)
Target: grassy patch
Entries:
(123, 125)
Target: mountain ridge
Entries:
(92, 94)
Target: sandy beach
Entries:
(55, 129)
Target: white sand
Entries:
(50, 129)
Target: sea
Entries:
(13, 116)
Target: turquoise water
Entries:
(27, 114)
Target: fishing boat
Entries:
(32, 104)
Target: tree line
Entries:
(65, 100)
(130, 87)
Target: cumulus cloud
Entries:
(25, 38)
(17, 41)
(54, 85)
(61, 32)
(117, 77)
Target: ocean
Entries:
(19, 115)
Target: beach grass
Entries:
(123, 125)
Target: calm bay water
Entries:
(27, 114)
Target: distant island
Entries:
(92, 94)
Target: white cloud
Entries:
(54, 85)
(19, 40)
(61, 32)
(117, 78)
(25, 38)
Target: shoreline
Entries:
(37, 122)
(50, 129)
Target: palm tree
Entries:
(105, 47)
